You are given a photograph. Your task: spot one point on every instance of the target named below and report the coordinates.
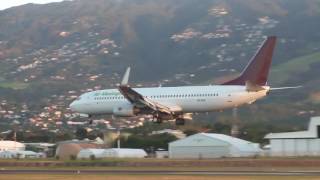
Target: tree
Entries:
(219, 127)
(81, 133)
(190, 132)
(148, 142)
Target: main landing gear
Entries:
(90, 121)
(156, 119)
(178, 121)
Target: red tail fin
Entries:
(258, 69)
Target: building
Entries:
(162, 154)
(90, 153)
(124, 153)
(70, 149)
(11, 146)
(47, 148)
(299, 143)
(210, 145)
(111, 153)
(20, 154)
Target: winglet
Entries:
(125, 78)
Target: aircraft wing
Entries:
(143, 102)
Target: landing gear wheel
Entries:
(156, 119)
(90, 122)
(180, 122)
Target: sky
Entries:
(4, 4)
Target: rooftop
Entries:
(312, 132)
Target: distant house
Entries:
(299, 143)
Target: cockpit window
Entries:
(78, 98)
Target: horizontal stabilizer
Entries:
(283, 88)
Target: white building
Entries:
(90, 153)
(11, 146)
(124, 153)
(300, 143)
(111, 153)
(20, 154)
(210, 145)
(162, 154)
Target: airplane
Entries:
(178, 103)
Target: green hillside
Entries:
(293, 67)
(51, 53)
(13, 85)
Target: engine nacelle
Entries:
(124, 110)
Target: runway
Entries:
(165, 172)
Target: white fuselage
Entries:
(187, 99)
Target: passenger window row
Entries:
(161, 96)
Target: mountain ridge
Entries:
(52, 53)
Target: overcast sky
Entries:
(4, 4)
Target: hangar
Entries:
(299, 143)
(211, 145)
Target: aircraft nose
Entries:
(73, 106)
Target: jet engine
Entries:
(124, 110)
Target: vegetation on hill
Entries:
(49, 54)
